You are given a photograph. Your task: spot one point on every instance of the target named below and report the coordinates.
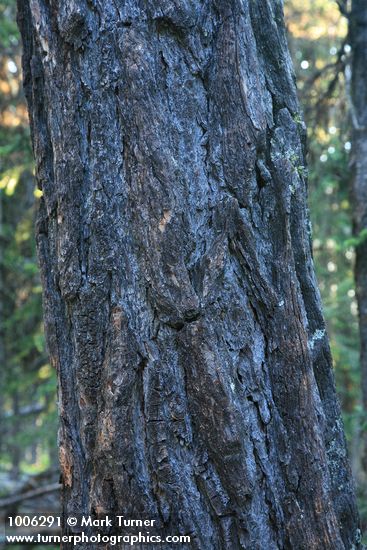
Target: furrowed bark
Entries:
(181, 307)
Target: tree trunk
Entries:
(358, 37)
(181, 307)
(2, 335)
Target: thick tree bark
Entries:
(358, 38)
(181, 308)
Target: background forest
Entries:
(318, 39)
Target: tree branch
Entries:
(10, 501)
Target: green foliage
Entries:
(28, 401)
(357, 240)
(8, 29)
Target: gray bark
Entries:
(181, 307)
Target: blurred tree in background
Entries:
(27, 399)
(320, 49)
(318, 37)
